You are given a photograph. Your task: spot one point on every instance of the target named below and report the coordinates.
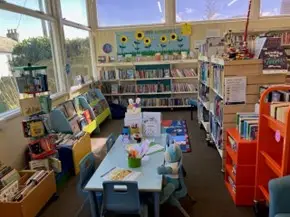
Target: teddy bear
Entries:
(173, 157)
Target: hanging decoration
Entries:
(186, 29)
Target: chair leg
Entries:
(81, 208)
(183, 211)
(191, 112)
(191, 198)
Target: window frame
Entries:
(54, 16)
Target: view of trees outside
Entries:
(33, 45)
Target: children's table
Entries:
(148, 181)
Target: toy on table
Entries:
(137, 137)
(134, 108)
(173, 156)
(126, 135)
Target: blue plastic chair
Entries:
(180, 193)
(110, 142)
(279, 190)
(87, 169)
(122, 198)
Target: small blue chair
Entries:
(279, 191)
(122, 202)
(110, 142)
(87, 169)
(180, 193)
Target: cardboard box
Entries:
(34, 201)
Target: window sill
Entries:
(74, 89)
(6, 116)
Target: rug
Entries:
(178, 131)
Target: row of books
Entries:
(216, 131)
(275, 96)
(279, 111)
(247, 125)
(108, 75)
(147, 73)
(217, 78)
(115, 88)
(181, 73)
(184, 87)
(165, 101)
(155, 73)
(153, 88)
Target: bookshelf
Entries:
(273, 149)
(159, 84)
(213, 114)
(240, 168)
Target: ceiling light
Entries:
(232, 2)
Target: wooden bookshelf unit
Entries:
(222, 116)
(240, 167)
(273, 148)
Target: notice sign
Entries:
(235, 90)
(274, 61)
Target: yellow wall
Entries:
(199, 30)
(12, 142)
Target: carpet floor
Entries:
(204, 179)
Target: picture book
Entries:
(120, 174)
(247, 130)
(30, 106)
(151, 124)
(12, 176)
(244, 115)
(253, 132)
(242, 125)
(274, 108)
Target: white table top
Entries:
(148, 181)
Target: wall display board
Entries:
(148, 43)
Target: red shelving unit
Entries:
(273, 152)
(240, 179)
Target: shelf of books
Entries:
(273, 149)
(159, 84)
(225, 88)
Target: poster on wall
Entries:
(274, 61)
(235, 90)
(148, 43)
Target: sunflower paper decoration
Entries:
(163, 39)
(124, 39)
(147, 41)
(173, 36)
(139, 35)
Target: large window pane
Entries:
(38, 5)
(130, 12)
(197, 10)
(275, 8)
(23, 40)
(74, 10)
(78, 56)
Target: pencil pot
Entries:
(134, 162)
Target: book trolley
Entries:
(273, 148)
(240, 168)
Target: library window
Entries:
(75, 11)
(78, 57)
(23, 40)
(38, 5)
(199, 10)
(130, 12)
(275, 8)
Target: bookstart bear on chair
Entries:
(173, 156)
